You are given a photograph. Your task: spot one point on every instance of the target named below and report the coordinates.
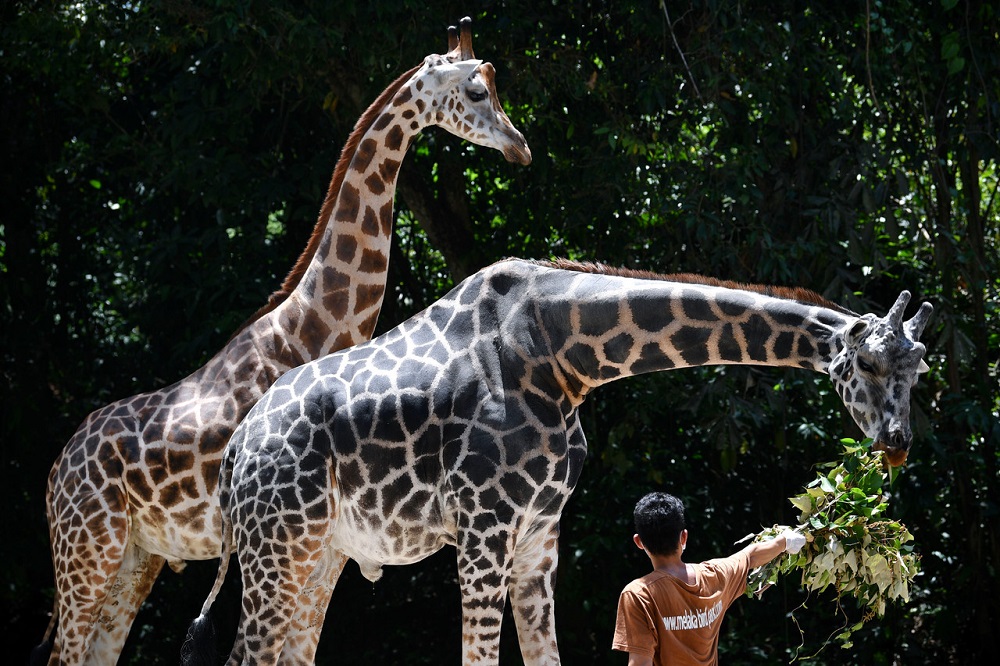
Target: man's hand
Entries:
(793, 541)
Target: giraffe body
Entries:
(460, 427)
(137, 484)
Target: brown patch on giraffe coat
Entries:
(363, 158)
(229, 410)
(347, 246)
(215, 438)
(170, 495)
(156, 463)
(336, 285)
(289, 319)
(114, 502)
(283, 353)
(370, 223)
(405, 95)
(111, 427)
(153, 432)
(384, 120)
(182, 433)
(388, 169)
(385, 218)
(367, 327)
(137, 483)
(373, 261)
(189, 486)
(193, 517)
(350, 200)
(97, 531)
(394, 138)
(375, 185)
(179, 461)
(210, 473)
(369, 296)
(314, 335)
(345, 340)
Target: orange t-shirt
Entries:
(662, 617)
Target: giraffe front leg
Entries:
(532, 595)
(132, 585)
(484, 561)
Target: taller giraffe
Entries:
(136, 486)
(461, 427)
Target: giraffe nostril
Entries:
(897, 439)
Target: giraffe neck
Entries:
(605, 327)
(336, 302)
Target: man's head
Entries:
(659, 522)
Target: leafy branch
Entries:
(851, 544)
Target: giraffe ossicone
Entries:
(136, 485)
(460, 427)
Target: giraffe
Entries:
(461, 427)
(136, 485)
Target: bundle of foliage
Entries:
(851, 543)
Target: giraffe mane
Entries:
(799, 294)
(326, 211)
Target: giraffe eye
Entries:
(477, 95)
(865, 366)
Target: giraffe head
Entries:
(877, 365)
(458, 92)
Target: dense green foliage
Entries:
(852, 548)
(163, 163)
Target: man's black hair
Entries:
(659, 521)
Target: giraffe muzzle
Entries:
(895, 446)
(517, 150)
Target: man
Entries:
(673, 615)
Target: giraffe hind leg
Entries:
(307, 623)
(138, 572)
(283, 562)
(270, 604)
(88, 549)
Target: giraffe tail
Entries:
(199, 648)
(40, 653)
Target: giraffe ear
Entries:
(923, 367)
(447, 73)
(856, 332)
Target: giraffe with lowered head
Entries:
(136, 486)
(461, 427)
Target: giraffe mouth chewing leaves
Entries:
(894, 455)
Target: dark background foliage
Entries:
(163, 163)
